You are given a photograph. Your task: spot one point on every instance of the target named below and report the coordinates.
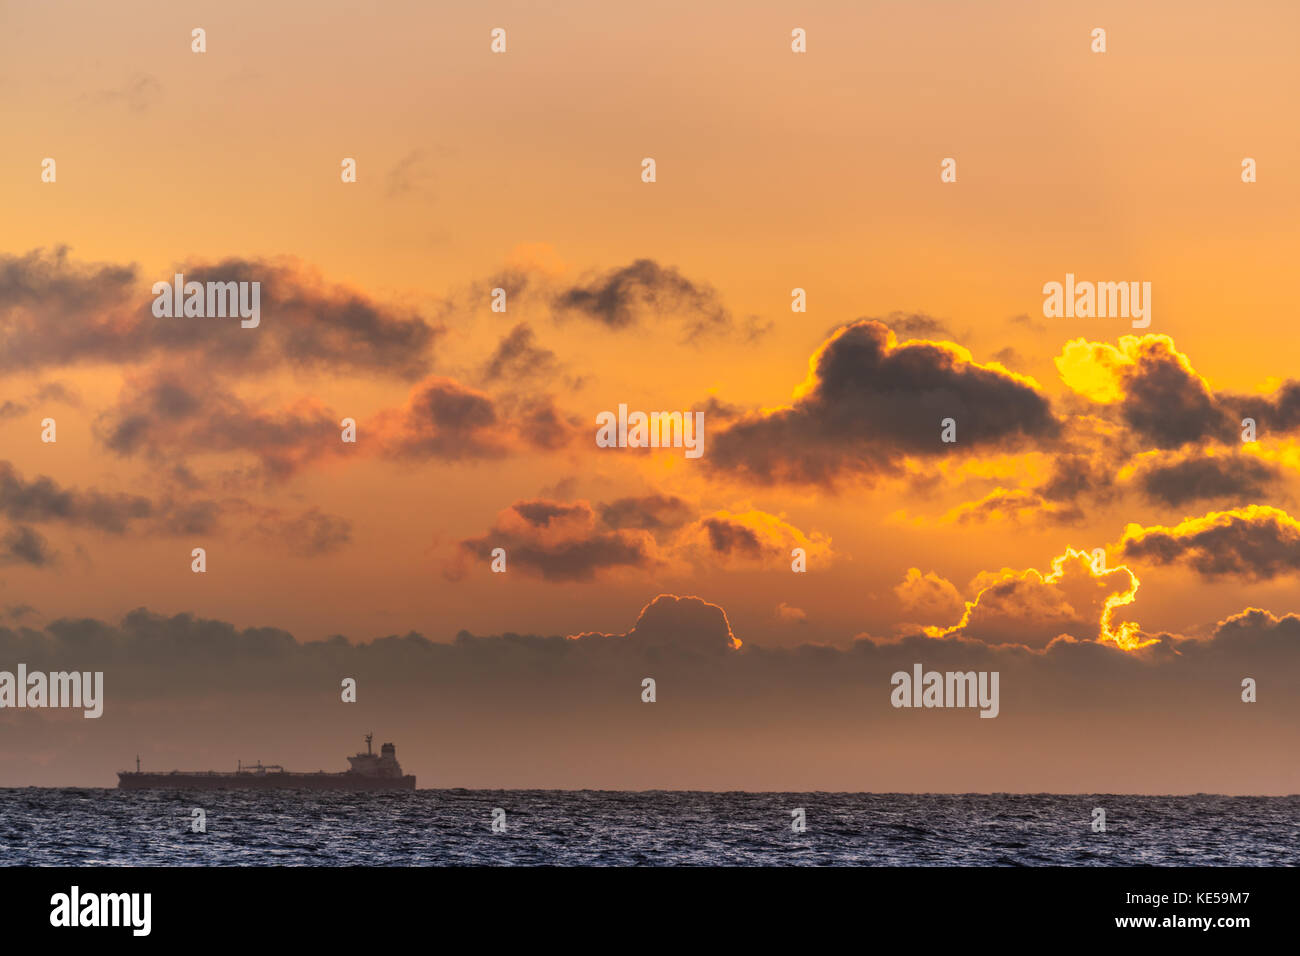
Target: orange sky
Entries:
(774, 171)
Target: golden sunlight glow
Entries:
(1127, 636)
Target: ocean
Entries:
(89, 827)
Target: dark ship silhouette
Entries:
(370, 771)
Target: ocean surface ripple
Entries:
(86, 827)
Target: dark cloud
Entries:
(557, 540)
(1255, 542)
(1166, 402)
(1252, 628)
(717, 412)
(1279, 412)
(541, 425)
(623, 298)
(726, 539)
(732, 537)
(55, 312)
(42, 499)
(686, 624)
(306, 322)
(24, 545)
(577, 541)
(1240, 477)
(540, 513)
(1076, 476)
(446, 420)
(522, 709)
(651, 512)
(518, 356)
(169, 413)
(870, 401)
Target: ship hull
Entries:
(255, 781)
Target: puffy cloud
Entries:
(687, 624)
(1257, 542)
(1147, 421)
(868, 401)
(1034, 609)
(1160, 396)
(446, 420)
(929, 597)
(1252, 628)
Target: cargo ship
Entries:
(370, 771)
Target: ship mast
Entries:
(369, 737)
(137, 763)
